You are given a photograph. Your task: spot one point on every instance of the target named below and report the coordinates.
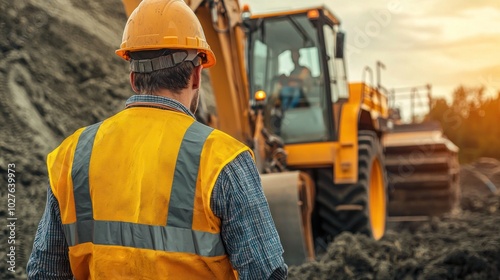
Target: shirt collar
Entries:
(154, 99)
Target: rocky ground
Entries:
(58, 72)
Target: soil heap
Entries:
(463, 245)
(58, 72)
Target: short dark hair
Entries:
(174, 79)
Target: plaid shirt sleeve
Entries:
(248, 230)
(49, 257)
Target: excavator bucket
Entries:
(291, 200)
(423, 170)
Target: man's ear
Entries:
(197, 77)
(132, 82)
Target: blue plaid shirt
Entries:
(248, 230)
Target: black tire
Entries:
(333, 220)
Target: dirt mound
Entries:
(58, 72)
(479, 180)
(464, 245)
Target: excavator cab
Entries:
(297, 59)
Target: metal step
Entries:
(419, 180)
(408, 195)
(420, 207)
(394, 163)
(425, 148)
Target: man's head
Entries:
(166, 47)
(177, 72)
(148, 79)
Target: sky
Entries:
(444, 43)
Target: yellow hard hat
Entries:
(164, 24)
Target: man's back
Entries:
(145, 190)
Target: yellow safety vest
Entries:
(134, 193)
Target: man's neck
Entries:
(182, 96)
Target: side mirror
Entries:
(339, 46)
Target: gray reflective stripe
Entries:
(83, 235)
(180, 210)
(80, 173)
(160, 238)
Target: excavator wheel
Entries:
(359, 207)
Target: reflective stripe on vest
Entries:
(176, 236)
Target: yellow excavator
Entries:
(280, 86)
(329, 131)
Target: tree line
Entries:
(471, 121)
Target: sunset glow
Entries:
(445, 43)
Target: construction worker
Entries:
(300, 74)
(150, 193)
(292, 94)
